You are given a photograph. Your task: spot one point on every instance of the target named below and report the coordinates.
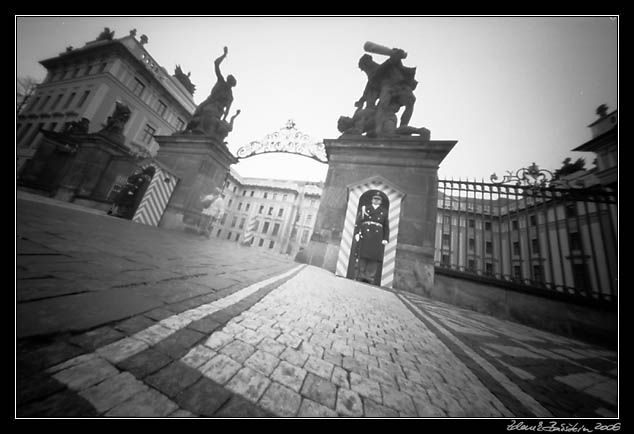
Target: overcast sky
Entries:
(510, 90)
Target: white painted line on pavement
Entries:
(527, 400)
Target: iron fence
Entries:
(555, 239)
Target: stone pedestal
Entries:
(91, 159)
(406, 170)
(202, 164)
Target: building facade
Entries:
(87, 82)
(271, 214)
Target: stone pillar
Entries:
(202, 164)
(411, 163)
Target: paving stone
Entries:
(340, 377)
(205, 325)
(399, 401)
(250, 337)
(203, 398)
(294, 357)
(248, 384)
(145, 363)
(173, 379)
(149, 403)
(75, 361)
(271, 346)
(238, 407)
(96, 338)
(263, 362)
(218, 340)
(319, 367)
(312, 409)
(113, 391)
(289, 375)
(122, 349)
(180, 413)
(372, 409)
(177, 322)
(365, 387)
(198, 356)
(238, 350)
(289, 340)
(333, 357)
(64, 404)
(179, 343)
(342, 347)
(36, 387)
(86, 374)
(281, 400)
(220, 369)
(349, 403)
(158, 314)
(354, 365)
(134, 324)
(319, 390)
(37, 359)
(154, 334)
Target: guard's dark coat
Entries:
(371, 234)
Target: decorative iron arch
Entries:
(287, 139)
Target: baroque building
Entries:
(83, 86)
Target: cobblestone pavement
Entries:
(287, 340)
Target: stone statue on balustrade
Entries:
(210, 117)
(389, 88)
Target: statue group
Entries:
(210, 117)
(390, 87)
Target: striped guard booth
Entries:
(156, 197)
(395, 196)
(247, 239)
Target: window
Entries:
(471, 265)
(234, 221)
(230, 202)
(162, 108)
(83, 99)
(56, 102)
(266, 195)
(517, 272)
(446, 240)
(69, 100)
(102, 67)
(237, 237)
(580, 277)
(487, 226)
(271, 210)
(218, 233)
(488, 247)
(235, 187)
(276, 229)
(535, 246)
(514, 225)
(180, 124)
(224, 219)
(261, 243)
(575, 241)
(445, 261)
(274, 196)
(229, 235)
(244, 193)
(239, 206)
(537, 273)
(471, 244)
(265, 228)
(472, 223)
(488, 269)
(446, 220)
(309, 218)
(271, 244)
(533, 220)
(261, 209)
(242, 220)
(252, 193)
(285, 197)
(305, 236)
(280, 212)
(247, 207)
(138, 87)
(516, 248)
(571, 210)
(148, 134)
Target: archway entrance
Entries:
(359, 195)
